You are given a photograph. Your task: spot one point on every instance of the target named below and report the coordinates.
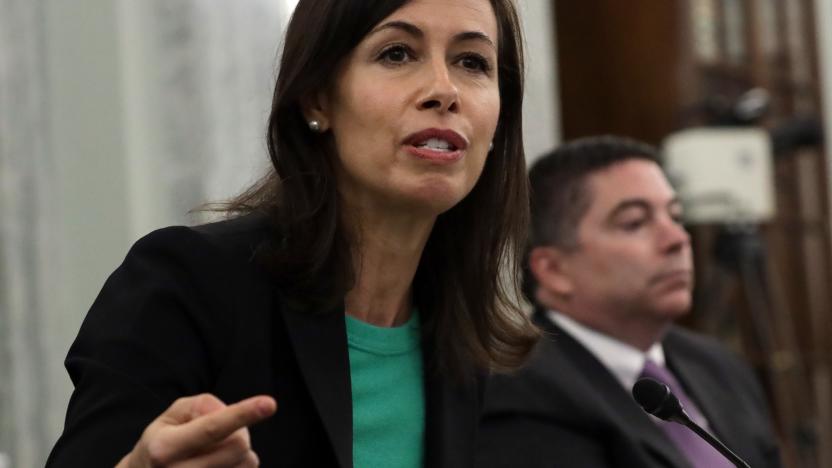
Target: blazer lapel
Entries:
(451, 417)
(320, 344)
(707, 393)
(618, 404)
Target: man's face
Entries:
(633, 258)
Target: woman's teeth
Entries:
(437, 144)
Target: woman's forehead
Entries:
(450, 16)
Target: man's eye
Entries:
(632, 225)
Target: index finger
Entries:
(202, 432)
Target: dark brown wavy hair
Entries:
(468, 275)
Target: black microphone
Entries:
(657, 399)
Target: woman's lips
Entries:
(425, 145)
(437, 156)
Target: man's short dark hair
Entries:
(559, 196)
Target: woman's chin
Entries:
(422, 196)
(436, 198)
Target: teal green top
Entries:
(388, 398)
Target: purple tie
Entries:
(698, 452)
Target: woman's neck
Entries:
(386, 254)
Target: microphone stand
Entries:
(657, 399)
(685, 420)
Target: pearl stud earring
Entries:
(315, 126)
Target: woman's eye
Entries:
(475, 62)
(395, 54)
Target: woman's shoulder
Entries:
(219, 260)
(236, 240)
(245, 228)
(189, 281)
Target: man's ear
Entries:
(550, 267)
(315, 107)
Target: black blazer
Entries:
(190, 311)
(566, 410)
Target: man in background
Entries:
(609, 269)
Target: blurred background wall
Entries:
(117, 118)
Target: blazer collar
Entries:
(452, 415)
(452, 407)
(708, 394)
(320, 344)
(619, 405)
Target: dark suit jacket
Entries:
(566, 410)
(190, 311)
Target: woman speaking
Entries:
(344, 313)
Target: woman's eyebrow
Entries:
(409, 28)
(474, 36)
(416, 32)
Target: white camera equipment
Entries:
(722, 174)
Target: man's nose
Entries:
(674, 236)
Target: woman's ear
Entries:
(315, 108)
(550, 267)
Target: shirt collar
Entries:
(625, 362)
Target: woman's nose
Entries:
(441, 93)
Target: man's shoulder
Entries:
(565, 390)
(705, 358)
(681, 340)
(555, 358)
(557, 371)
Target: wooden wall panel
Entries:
(621, 66)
